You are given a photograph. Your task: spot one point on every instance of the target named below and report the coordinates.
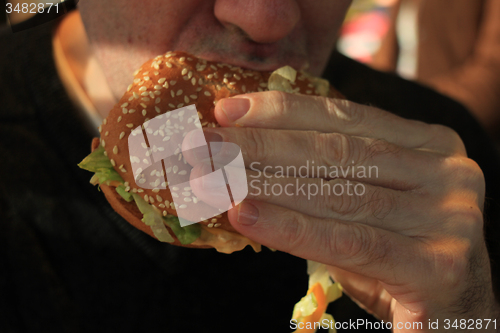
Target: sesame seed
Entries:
(193, 81)
(146, 197)
(103, 143)
(146, 99)
(115, 150)
(169, 65)
(184, 71)
(99, 128)
(210, 225)
(157, 87)
(158, 100)
(216, 225)
(131, 111)
(213, 220)
(157, 109)
(130, 125)
(143, 88)
(160, 199)
(193, 96)
(124, 105)
(207, 93)
(136, 96)
(175, 168)
(172, 83)
(180, 105)
(145, 93)
(183, 206)
(105, 121)
(172, 93)
(112, 162)
(119, 119)
(160, 81)
(165, 213)
(161, 205)
(179, 92)
(122, 134)
(107, 133)
(143, 105)
(182, 59)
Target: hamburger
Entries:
(161, 85)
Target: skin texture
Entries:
(411, 247)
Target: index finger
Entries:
(279, 110)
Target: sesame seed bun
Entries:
(166, 83)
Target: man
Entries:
(410, 250)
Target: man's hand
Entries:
(408, 245)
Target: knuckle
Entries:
(360, 244)
(379, 203)
(448, 138)
(465, 173)
(340, 205)
(293, 231)
(376, 147)
(333, 149)
(257, 148)
(343, 112)
(277, 104)
(466, 219)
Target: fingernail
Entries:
(248, 214)
(235, 108)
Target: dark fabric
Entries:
(69, 263)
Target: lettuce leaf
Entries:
(100, 164)
(104, 173)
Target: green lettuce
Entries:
(104, 173)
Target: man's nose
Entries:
(264, 21)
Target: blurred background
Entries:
(366, 24)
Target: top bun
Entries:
(169, 82)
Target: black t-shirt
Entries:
(69, 263)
